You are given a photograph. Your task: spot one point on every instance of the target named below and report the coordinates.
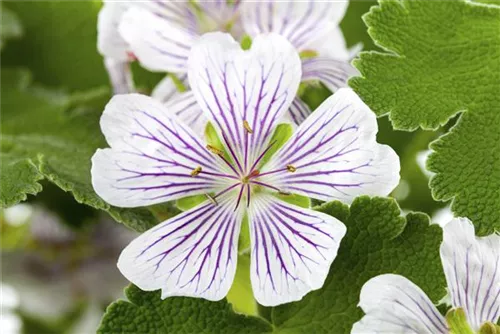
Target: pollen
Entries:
(247, 127)
(214, 150)
(196, 171)
(211, 199)
(291, 168)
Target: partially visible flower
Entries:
(393, 304)
(184, 18)
(161, 34)
(245, 94)
(313, 28)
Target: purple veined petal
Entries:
(292, 249)
(188, 111)
(394, 304)
(331, 44)
(152, 156)
(334, 155)
(299, 22)
(331, 72)
(472, 269)
(178, 12)
(166, 88)
(299, 111)
(236, 88)
(120, 75)
(218, 13)
(193, 254)
(158, 44)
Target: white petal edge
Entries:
(472, 268)
(151, 157)
(158, 44)
(193, 254)
(109, 41)
(394, 304)
(335, 154)
(292, 249)
(166, 88)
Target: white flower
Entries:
(393, 304)
(161, 34)
(156, 158)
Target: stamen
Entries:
(291, 168)
(284, 193)
(214, 150)
(196, 171)
(247, 127)
(214, 202)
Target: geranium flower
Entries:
(154, 158)
(393, 304)
(186, 18)
(161, 33)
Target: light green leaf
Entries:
(280, 136)
(145, 312)
(302, 201)
(190, 202)
(442, 59)
(378, 241)
(43, 138)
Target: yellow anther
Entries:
(211, 199)
(196, 171)
(214, 150)
(247, 127)
(291, 168)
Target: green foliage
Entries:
(42, 137)
(442, 58)
(378, 241)
(145, 312)
(10, 27)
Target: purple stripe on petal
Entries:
(291, 249)
(334, 154)
(193, 254)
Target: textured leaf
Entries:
(145, 312)
(41, 138)
(378, 241)
(442, 58)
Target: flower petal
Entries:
(331, 72)
(159, 44)
(299, 111)
(393, 304)
(292, 249)
(299, 22)
(166, 89)
(188, 111)
(193, 254)
(236, 87)
(109, 41)
(472, 269)
(334, 154)
(152, 156)
(120, 75)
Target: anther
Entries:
(214, 150)
(196, 171)
(291, 168)
(247, 127)
(284, 193)
(211, 199)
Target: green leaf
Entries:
(302, 201)
(442, 59)
(42, 137)
(378, 241)
(10, 27)
(145, 312)
(280, 136)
